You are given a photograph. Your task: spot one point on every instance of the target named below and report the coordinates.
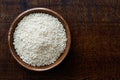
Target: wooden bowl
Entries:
(14, 25)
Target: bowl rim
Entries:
(20, 17)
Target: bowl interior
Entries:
(14, 25)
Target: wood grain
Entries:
(95, 49)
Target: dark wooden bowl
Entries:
(12, 29)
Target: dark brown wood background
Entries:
(95, 32)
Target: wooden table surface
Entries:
(95, 32)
